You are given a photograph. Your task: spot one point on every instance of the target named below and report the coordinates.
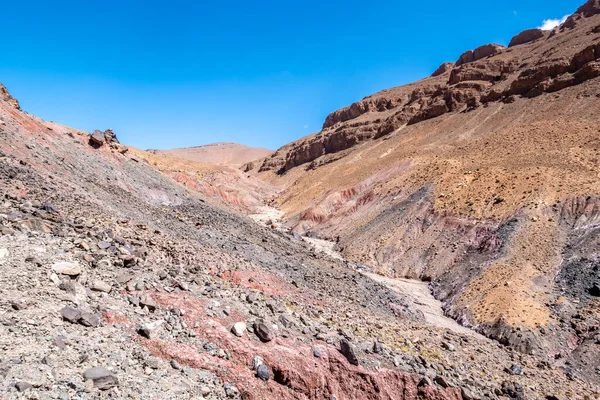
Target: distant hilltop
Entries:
(221, 153)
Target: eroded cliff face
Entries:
(536, 62)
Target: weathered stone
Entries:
(68, 286)
(514, 370)
(286, 321)
(124, 278)
(60, 342)
(348, 350)
(442, 381)
(102, 378)
(134, 300)
(263, 372)
(443, 68)
(378, 347)
(448, 346)
(239, 328)
(97, 138)
(70, 314)
(34, 260)
(23, 386)
(513, 390)
(317, 352)
(89, 319)
(67, 268)
(263, 331)
(257, 361)
(147, 301)
(148, 329)
(18, 305)
(100, 286)
(252, 297)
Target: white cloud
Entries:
(549, 24)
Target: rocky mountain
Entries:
(482, 179)
(226, 153)
(142, 274)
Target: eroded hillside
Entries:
(118, 282)
(483, 179)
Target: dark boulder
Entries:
(348, 350)
(99, 138)
(263, 332)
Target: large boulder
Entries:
(526, 36)
(99, 138)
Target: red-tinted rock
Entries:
(442, 69)
(5, 96)
(591, 8)
(526, 36)
(487, 50)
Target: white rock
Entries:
(257, 362)
(100, 286)
(54, 278)
(149, 328)
(67, 268)
(239, 328)
(3, 253)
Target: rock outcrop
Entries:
(589, 9)
(527, 36)
(487, 50)
(5, 96)
(99, 138)
(443, 68)
(490, 73)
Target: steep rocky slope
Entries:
(226, 153)
(118, 282)
(536, 62)
(483, 179)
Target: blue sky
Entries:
(184, 73)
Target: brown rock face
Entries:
(99, 138)
(479, 77)
(487, 50)
(5, 96)
(526, 36)
(442, 69)
(591, 8)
